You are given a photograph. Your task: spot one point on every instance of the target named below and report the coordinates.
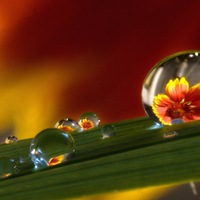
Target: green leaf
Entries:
(137, 156)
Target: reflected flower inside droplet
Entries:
(65, 128)
(86, 124)
(67, 125)
(56, 160)
(179, 102)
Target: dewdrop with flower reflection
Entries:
(171, 90)
(51, 147)
(88, 120)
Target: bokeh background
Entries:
(61, 58)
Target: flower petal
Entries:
(162, 100)
(196, 114)
(160, 106)
(166, 120)
(176, 90)
(193, 94)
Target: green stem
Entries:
(137, 156)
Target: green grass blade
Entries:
(137, 156)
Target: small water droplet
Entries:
(67, 125)
(170, 134)
(88, 120)
(171, 89)
(8, 166)
(108, 130)
(25, 157)
(51, 146)
(11, 139)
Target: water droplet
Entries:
(67, 125)
(8, 166)
(171, 89)
(89, 120)
(108, 130)
(170, 134)
(11, 139)
(25, 157)
(51, 146)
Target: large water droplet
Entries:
(67, 125)
(8, 166)
(89, 120)
(11, 139)
(171, 89)
(51, 146)
(108, 130)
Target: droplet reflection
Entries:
(11, 139)
(171, 89)
(67, 125)
(51, 146)
(88, 120)
(108, 130)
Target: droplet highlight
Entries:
(88, 120)
(171, 89)
(11, 139)
(50, 147)
(108, 130)
(67, 125)
(8, 166)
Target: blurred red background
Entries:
(88, 55)
(62, 58)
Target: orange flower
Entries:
(180, 102)
(86, 124)
(65, 128)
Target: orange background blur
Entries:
(61, 58)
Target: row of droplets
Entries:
(53, 145)
(170, 95)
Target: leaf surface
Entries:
(137, 156)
